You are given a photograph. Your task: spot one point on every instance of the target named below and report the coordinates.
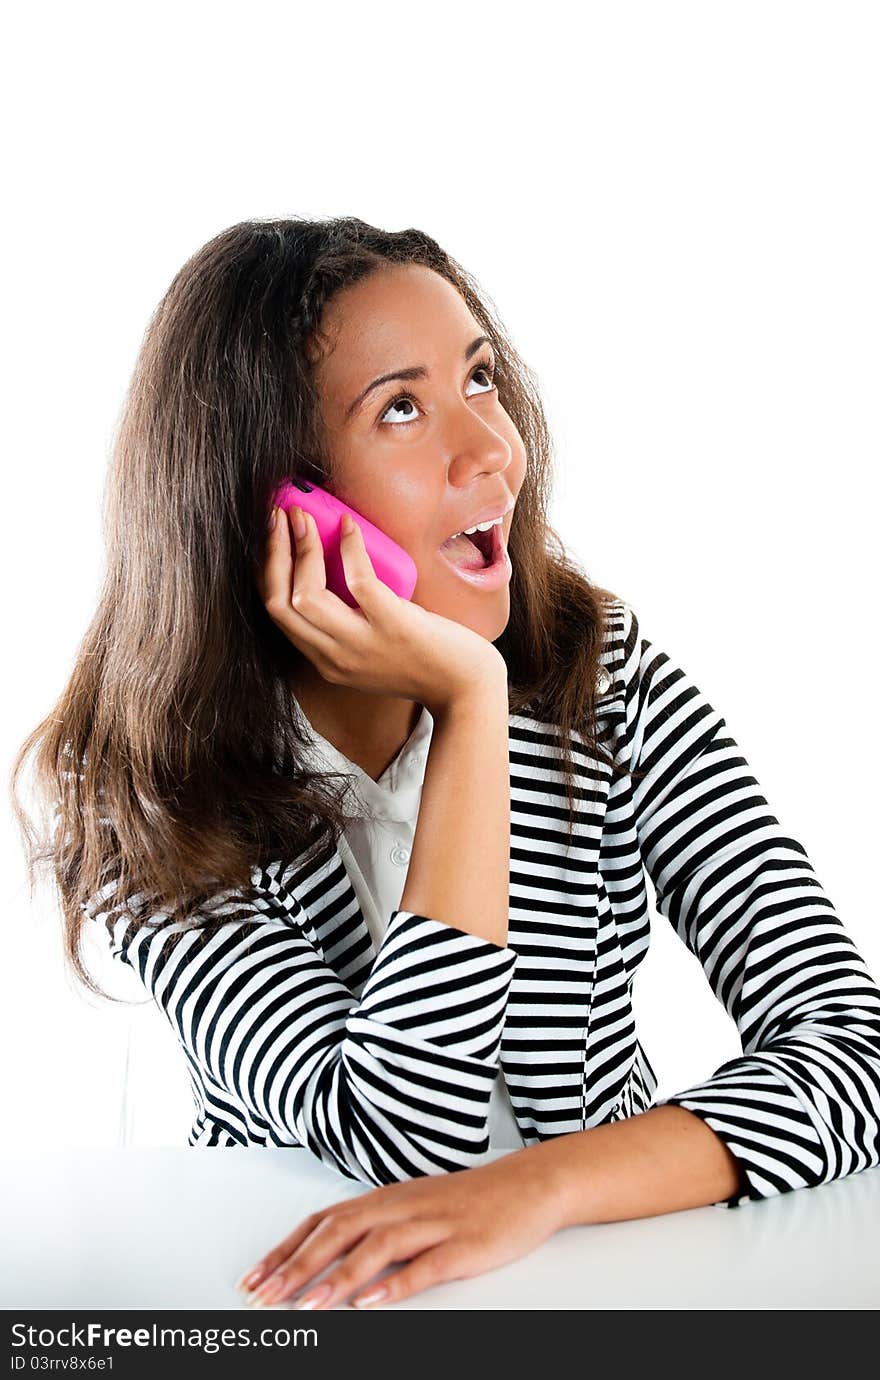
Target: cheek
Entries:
(413, 506)
(399, 504)
(516, 471)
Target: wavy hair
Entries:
(170, 766)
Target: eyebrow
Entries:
(415, 371)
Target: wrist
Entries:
(476, 696)
(560, 1187)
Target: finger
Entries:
(314, 618)
(376, 1197)
(269, 1263)
(267, 570)
(258, 1272)
(309, 572)
(277, 572)
(448, 1260)
(374, 597)
(277, 590)
(310, 594)
(329, 1238)
(381, 1246)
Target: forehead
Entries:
(402, 315)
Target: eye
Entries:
(483, 366)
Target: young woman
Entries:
(384, 869)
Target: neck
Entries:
(368, 729)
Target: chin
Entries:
(484, 612)
(492, 624)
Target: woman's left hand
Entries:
(447, 1226)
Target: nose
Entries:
(478, 449)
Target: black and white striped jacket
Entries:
(297, 1032)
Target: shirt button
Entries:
(603, 681)
(399, 855)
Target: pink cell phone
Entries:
(393, 565)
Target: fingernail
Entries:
(366, 1299)
(347, 524)
(252, 1277)
(316, 1296)
(299, 524)
(268, 1293)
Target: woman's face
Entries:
(431, 464)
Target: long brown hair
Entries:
(170, 765)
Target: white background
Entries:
(674, 209)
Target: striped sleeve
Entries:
(388, 1087)
(801, 1106)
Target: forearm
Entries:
(663, 1160)
(459, 871)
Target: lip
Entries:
(487, 515)
(492, 576)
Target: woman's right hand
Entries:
(388, 645)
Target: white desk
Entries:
(174, 1228)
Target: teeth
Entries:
(480, 527)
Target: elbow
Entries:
(374, 1144)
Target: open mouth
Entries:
(474, 550)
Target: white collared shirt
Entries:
(375, 849)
